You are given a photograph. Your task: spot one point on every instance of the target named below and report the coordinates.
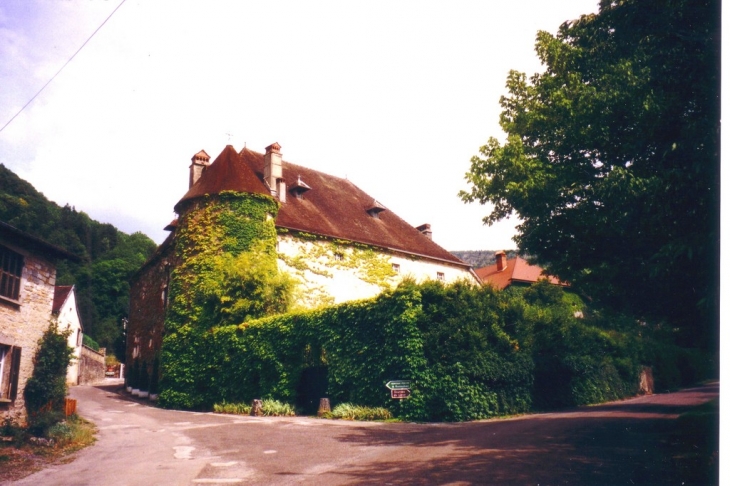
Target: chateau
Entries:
(335, 240)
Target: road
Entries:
(618, 443)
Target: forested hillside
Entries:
(108, 256)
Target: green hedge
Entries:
(469, 353)
(90, 343)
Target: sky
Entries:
(396, 96)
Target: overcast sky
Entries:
(397, 96)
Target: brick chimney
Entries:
(200, 161)
(272, 167)
(426, 230)
(501, 260)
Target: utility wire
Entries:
(62, 67)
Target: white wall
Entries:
(68, 318)
(331, 272)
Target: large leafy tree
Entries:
(611, 159)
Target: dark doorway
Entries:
(312, 387)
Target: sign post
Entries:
(398, 385)
(399, 389)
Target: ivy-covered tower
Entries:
(180, 293)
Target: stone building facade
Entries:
(27, 282)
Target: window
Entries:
(11, 269)
(339, 256)
(440, 276)
(9, 370)
(396, 267)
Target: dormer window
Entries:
(299, 188)
(375, 209)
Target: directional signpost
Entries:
(399, 389)
(398, 384)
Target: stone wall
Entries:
(22, 323)
(148, 297)
(92, 367)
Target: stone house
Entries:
(68, 318)
(513, 271)
(27, 283)
(335, 240)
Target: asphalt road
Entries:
(618, 443)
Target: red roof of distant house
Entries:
(60, 294)
(332, 207)
(517, 270)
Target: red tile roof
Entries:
(60, 294)
(226, 173)
(516, 271)
(333, 207)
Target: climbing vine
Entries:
(312, 259)
(226, 246)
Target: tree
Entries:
(612, 160)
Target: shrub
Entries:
(275, 408)
(348, 411)
(74, 431)
(89, 342)
(271, 408)
(233, 408)
(45, 390)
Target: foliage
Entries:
(275, 408)
(313, 258)
(469, 353)
(45, 390)
(245, 286)
(611, 160)
(90, 343)
(108, 257)
(348, 411)
(233, 408)
(269, 408)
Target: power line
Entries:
(62, 67)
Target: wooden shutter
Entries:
(14, 371)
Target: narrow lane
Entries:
(618, 443)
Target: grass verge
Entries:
(20, 456)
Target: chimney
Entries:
(272, 167)
(501, 260)
(200, 161)
(426, 230)
(281, 189)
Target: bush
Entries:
(348, 411)
(233, 408)
(271, 408)
(469, 353)
(275, 408)
(89, 342)
(45, 390)
(12, 429)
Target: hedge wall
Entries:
(469, 353)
